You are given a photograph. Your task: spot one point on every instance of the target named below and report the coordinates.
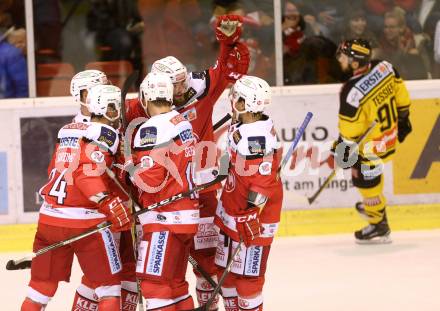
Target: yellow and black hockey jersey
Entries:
(380, 94)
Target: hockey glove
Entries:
(237, 62)
(248, 226)
(116, 212)
(228, 29)
(403, 128)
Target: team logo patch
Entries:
(148, 135)
(186, 135)
(236, 136)
(177, 119)
(265, 168)
(190, 93)
(97, 156)
(107, 136)
(257, 144)
(190, 114)
(147, 162)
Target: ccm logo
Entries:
(246, 218)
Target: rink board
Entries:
(28, 132)
(18, 238)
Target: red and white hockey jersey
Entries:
(77, 173)
(163, 151)
(254, 160)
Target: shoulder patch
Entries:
(257, 144)
(107, 136)
(190, 93)
(236, 136)
(148, 135)
(190, 114)
(177, 119)
(198, 75)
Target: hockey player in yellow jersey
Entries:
(375, 95)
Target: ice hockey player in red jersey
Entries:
(250, 205)
(195, 95)
(77, 197)
(85, 298)
(162, 153)
(79, 86)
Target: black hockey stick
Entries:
(191, 260)
(222, 121)
(217, 289)
(333, 173)
(23, 263)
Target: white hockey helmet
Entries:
(84, 80)
(172, 67)
(100, 97)
(156, 86)
(255, 92)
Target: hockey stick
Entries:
(217, 289)
(298, 135)
(23, 263)
(333, 173)
(222, 121)
(191, 260)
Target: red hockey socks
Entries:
(129, 300)
(110, 304)
(29, 305)
(85, 299)
(204, 292)
(251, 304)
(230, 299)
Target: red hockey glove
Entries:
(237, 62)
(228, 29)
(116, 212)
(248, 226)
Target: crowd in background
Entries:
(403, 32)
(78, 32)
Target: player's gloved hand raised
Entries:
(237, 61)
(248, 226)
(403, 128)
(116, 212)
(228, 28)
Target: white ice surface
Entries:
(319, 273)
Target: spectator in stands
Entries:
(13, 71)
(48, 28)
(118, 26)
(377, 8)
(397, 46)
(356, 21)
(293, 26)
(17, 38)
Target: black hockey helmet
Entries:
(358, 49)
